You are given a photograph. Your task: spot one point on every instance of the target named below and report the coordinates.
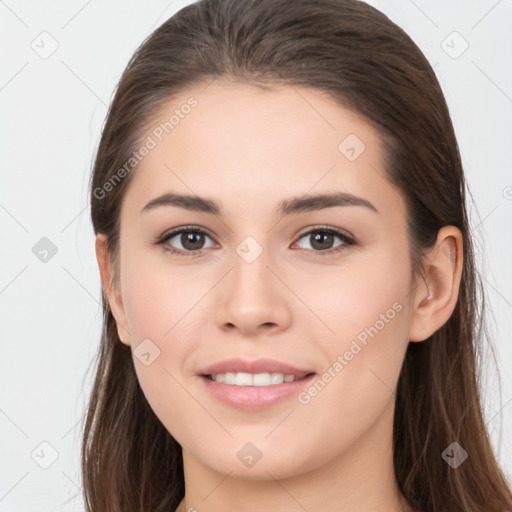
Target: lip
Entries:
(254, 398)
(257, 366)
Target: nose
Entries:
(253, 297)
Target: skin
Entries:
(248, 149)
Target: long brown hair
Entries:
(368, 64)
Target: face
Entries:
(265, 272)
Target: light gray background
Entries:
(52, 110)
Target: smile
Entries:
(252, 379)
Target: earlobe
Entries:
(109, 287)
(437, 292)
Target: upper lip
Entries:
(257, 366)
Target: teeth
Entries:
(251, 379)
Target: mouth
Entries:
(254, 393)
(255, 379)
(253, 385)
(258, 372)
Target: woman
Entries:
(290, 296)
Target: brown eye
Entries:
(190, 239)
(323, 240)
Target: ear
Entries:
(109, 287)
(437, 293)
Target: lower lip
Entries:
(254, 398)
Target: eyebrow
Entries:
(291, 206)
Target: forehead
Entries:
(241, 144)
(241, 123)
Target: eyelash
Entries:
(347, 240)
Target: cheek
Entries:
(366, 289)
(156, 302)
(363, 362)
(366, 310)
(165, 391)
(158, 296)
